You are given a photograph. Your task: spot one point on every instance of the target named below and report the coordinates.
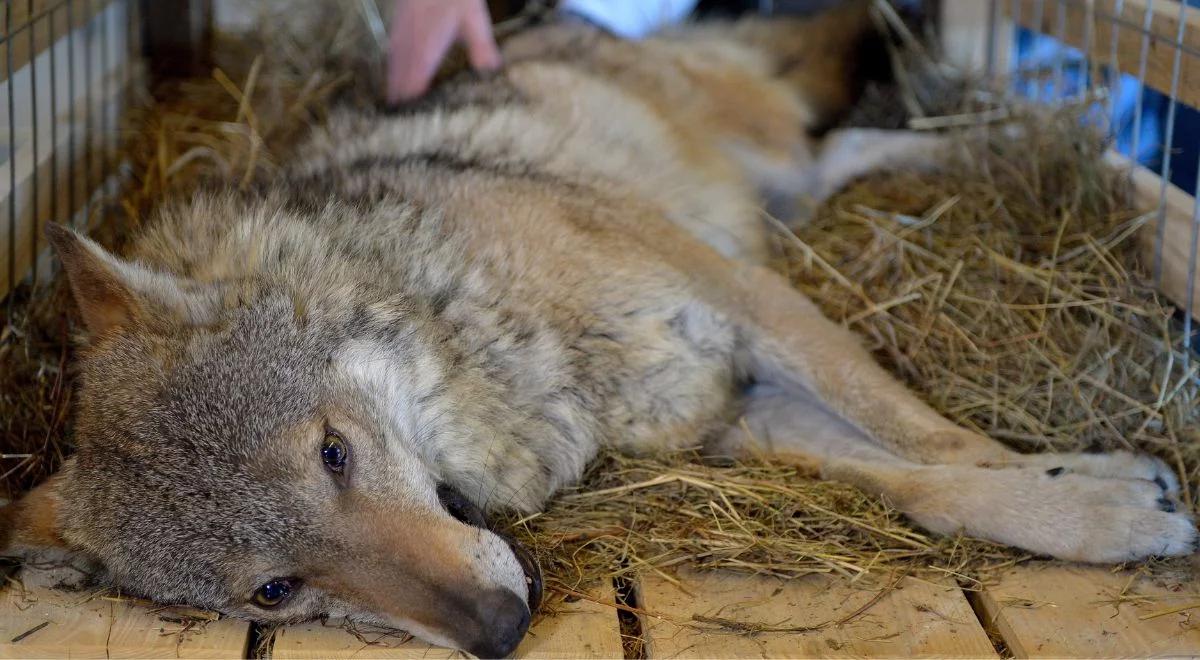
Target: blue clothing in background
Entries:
(1038, 51)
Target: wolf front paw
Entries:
(1105, 518)
(1069, 515)
(1112, 465)
(1132, 533)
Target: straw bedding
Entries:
(1004, 288)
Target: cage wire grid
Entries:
(1074, 66)
(67, 67)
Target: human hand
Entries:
(422, 31)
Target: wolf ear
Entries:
(32, 522)
(105, 302)
(114, 294)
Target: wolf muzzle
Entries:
(464, 510)
(503, 614)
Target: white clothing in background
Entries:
(632, 19)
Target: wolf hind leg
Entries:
(793, 346)
(783, 423)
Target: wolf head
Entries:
(230, 457)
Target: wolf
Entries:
(305, 400)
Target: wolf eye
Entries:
(273, 593)
(334, 452)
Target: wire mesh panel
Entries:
(1137, 64)
(65, 68)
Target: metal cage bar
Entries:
(65, 71)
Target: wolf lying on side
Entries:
(302, 401)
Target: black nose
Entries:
(505, 619)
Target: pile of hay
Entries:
(1005, 289)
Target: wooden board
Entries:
(1175, 209)
(1126, 17)
(582, 629)
(917, 618)
(1057, 610)
(86, 624)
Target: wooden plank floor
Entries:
(38, 620)
(1036, 610)
(914, 619)
(1052, 610)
